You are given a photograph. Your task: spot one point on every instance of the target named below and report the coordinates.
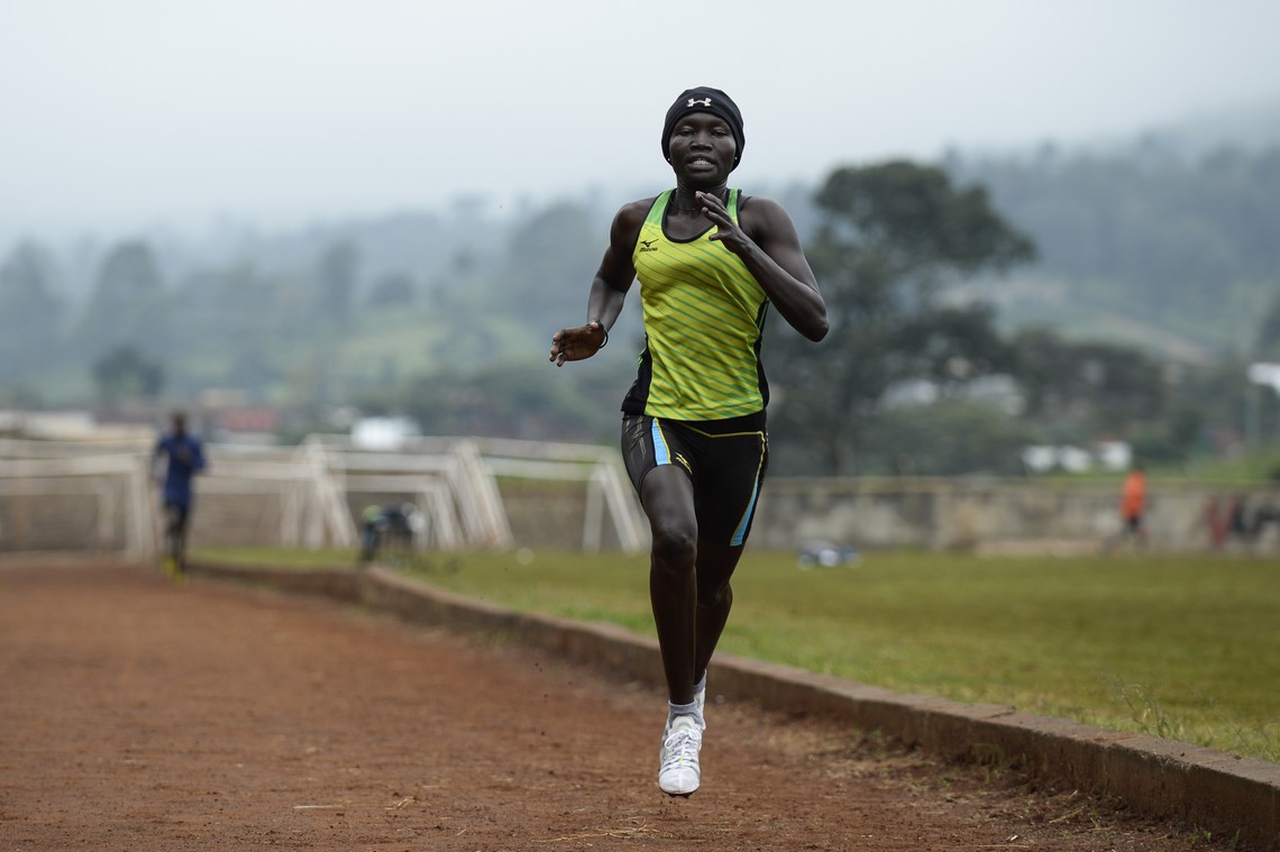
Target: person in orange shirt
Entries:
(1133, 503)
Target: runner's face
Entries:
(702, 149)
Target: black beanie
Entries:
(704, 99)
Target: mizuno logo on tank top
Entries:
(703, 317)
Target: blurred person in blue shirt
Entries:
(182, 453)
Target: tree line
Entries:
(1184, 244)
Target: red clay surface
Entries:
(140, 716)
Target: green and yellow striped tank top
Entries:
(703, 317)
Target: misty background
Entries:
(288, 214)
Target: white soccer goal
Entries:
(455, 484)
(443, 477)
(272, 497)
(608, 494)
(62, 499)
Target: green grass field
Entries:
(1185, 647)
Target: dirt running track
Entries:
(139, 716)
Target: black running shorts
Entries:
(725, 459)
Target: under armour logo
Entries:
(695, 102)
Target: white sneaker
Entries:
(678, 771)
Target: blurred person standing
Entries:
(710, 261)
(1133, 505)
(182, 455)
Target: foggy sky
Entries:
(136, 113)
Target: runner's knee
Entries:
(674, 545)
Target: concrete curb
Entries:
(1202, 787)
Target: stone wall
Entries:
(958, 514)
